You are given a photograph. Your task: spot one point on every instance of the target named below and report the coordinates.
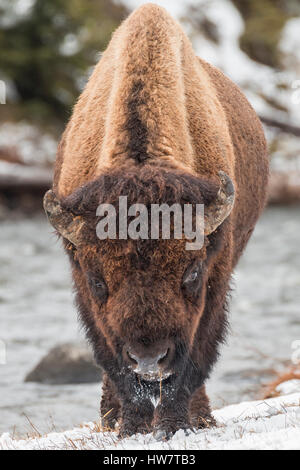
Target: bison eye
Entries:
(191, 282)
(98, 287)
(191, 275)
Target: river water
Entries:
(36, 313)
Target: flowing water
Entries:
(36, 313)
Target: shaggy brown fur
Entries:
(157, 124)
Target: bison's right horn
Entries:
(221, 207)
(67, 224)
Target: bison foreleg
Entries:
(172, 414)
(110, 404)
(136, 418)
(200, 411)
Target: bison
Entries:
(158, 125)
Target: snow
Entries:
(271, 424)
(33, 146)
(289, 38)
(290, 386)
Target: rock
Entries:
(66, 364)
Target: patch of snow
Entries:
(290, 386)
(260, 425)
(154, 400)
(32, 145)
(290, 38)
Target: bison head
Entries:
(141, 300)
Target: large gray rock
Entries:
(66, 364)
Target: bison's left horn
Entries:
(67, 224)
(221, 207)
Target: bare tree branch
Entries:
(284, 127)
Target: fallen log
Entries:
(11, 155)
(284, 188)
(22, 188)
(24, 178)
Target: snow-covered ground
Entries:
(272, 424)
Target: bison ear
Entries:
(222, 205)
(67, 224)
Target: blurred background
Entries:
(47, 51)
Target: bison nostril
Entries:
(150, 363)
(163, 357)
(131, 358)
